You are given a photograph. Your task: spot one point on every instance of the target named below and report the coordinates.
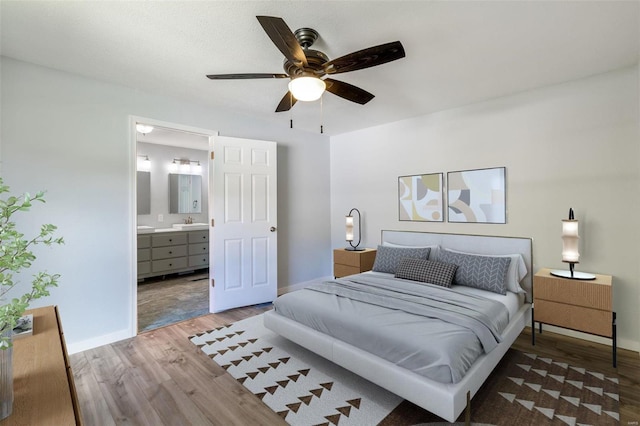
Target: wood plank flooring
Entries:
(160, 378)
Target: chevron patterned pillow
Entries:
(483, 272)
(388, 258)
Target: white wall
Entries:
(70, 135)
(571, 145)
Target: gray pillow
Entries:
(483, 272)
(388, 258)
(428, 271)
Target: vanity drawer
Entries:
(144, 268)
(169, 239)
(199, 248)
(168, 264)
(198, 237)
(144, 254)
(144, 241)
(199, 260)
(168, 252)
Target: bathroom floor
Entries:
(176, 298)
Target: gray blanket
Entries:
(430, 330)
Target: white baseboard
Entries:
(98, 341)
(125, 334)
(300, 286)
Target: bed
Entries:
(324, 318)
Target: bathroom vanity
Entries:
(168, 251)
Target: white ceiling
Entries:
(457, 53)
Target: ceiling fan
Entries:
(306, 67)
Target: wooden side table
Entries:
(348, 262)
(43, 388)
(585, 306)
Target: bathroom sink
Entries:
(191, 226)
(144, 229)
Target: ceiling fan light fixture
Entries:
(307, 88)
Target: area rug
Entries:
(305, 389)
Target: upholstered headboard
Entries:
(480, 244)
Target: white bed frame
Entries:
(445, 400)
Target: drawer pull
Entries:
(170, 252)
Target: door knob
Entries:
(272, 229)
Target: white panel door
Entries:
(244, 243)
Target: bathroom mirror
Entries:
(185, 193)
(144, 192)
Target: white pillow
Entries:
(516, 272)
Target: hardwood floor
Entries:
(160, 378)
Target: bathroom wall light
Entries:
(185, 166)
(143, 163)
(144, 128)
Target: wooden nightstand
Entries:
(579, 305)
(347, 262)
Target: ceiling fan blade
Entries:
(287, 102)
(282, 36)
(244, 76)
(365, 58)
(348, 91)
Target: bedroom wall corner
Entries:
(70, 135)
(573, 144)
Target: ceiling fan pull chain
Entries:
(290, 110)
(321, 115)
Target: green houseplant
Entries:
(15, 256)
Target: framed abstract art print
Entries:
(477, 196)
(420, 198)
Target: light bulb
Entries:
(307, 88)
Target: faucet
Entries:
(188, 221)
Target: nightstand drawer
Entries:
(343, 270)
(360, 259)
(345, 257)
(349, 262)
(579, 318)
(594, 294)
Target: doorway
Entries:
(172, 216)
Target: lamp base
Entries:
(354, 249)
(576, 275)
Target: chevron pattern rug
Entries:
(306, 389)
(303, 388)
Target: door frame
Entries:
(133, 208)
